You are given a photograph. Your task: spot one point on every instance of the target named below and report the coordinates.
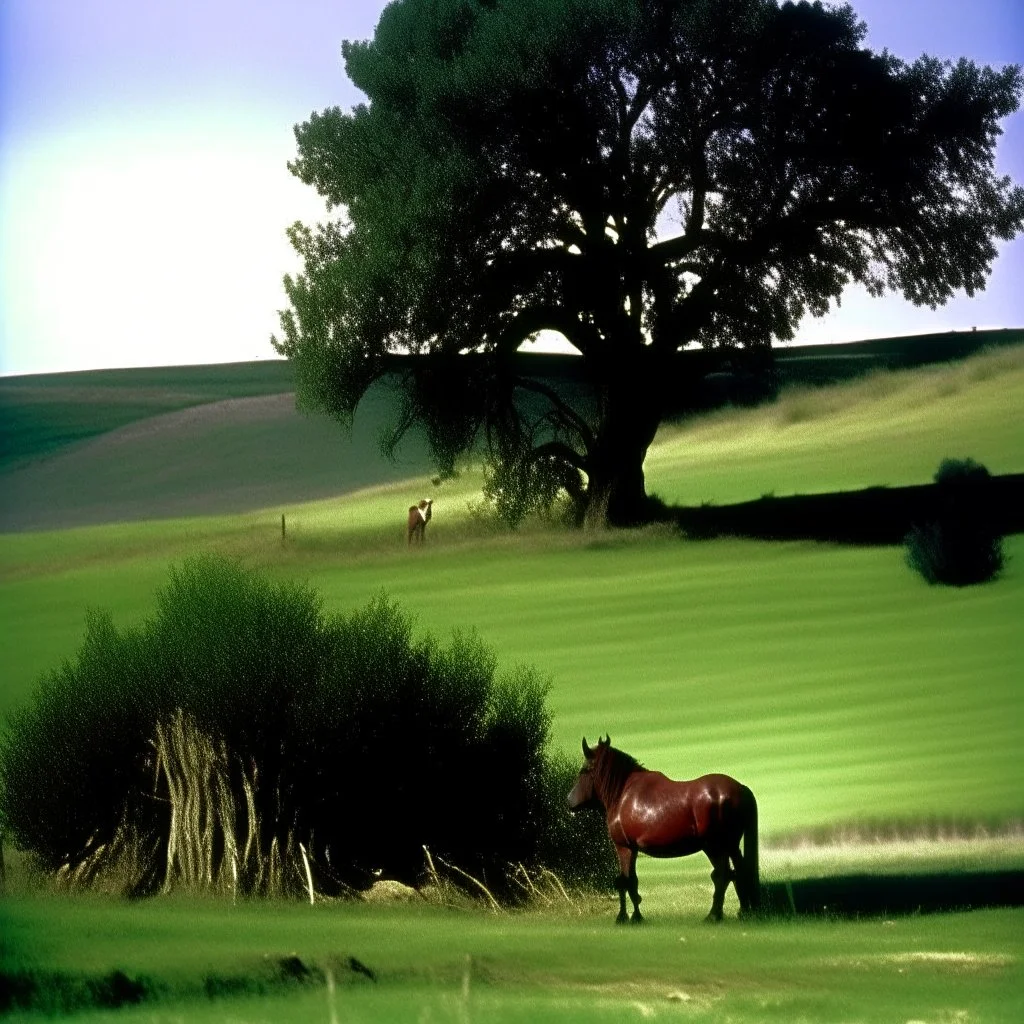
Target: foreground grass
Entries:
(437, 965)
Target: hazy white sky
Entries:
(144, 193)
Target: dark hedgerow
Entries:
(242, 740)
(958, 545)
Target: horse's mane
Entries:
(611, 768)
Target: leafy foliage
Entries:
(518, 488)
(240, 733)
(959, 546)
(637, 175)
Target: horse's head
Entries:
(583, 793)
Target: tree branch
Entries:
(560, 450)
(699, 169)
(551, 317)
(568, 415)
(674, 249)
(523, 269)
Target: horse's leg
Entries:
(634, 891)
(721, 876)
(739, 880)
(626, 882)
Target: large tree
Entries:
(638, 175)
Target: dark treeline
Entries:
(707, 379)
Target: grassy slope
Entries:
(889, 427)
(40, 413)
(801, 668)
(221, 457)
(832, 680)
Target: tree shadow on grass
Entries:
(876, 515)
(891, 895)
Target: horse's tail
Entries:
(751, 870)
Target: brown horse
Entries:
(419, 516)
(650, 813)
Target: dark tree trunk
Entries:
(616, 493)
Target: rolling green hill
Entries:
(213, 440)
(887, 427)
(805, 667)
(854, 700)
(224, 455)
(41, 413)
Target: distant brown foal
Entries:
(419, 516)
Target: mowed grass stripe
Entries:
(817, 708)
(832, 680)
(435, 965)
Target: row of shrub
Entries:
(243, 740)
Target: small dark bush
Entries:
(960, 472)
(958, 545)
(241, 740)
(57, 994)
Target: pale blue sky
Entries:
(144, 194)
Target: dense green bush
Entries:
(515, 490)
(243, 740)
(958, 545)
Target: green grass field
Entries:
(839, 686)
(440, 966)
(884, 428)
(41, 413)
(229, 454)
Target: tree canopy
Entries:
(638, 175)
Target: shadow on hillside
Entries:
(877, 515)
(891, 895)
